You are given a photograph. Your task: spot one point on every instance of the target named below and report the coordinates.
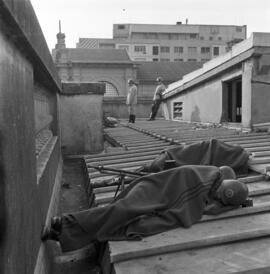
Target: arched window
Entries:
(110, 89)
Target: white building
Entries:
(180, 42)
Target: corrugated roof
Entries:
(92, 42)
(81, 55)
(171, 71)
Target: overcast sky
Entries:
(95, 18)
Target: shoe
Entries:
(150, 119)
(53, 231)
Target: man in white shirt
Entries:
(132, 100)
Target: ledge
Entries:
(75, 88)
(44, 157)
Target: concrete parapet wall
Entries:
(81, 117)
(25, 65)
(116, 107)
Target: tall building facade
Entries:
(179, 42)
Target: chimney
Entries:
(179, 23)
(186, 21)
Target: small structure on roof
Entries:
(232, 88)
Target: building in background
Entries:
(233, 88)
(179, 42)
(113, 67)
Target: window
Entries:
(178, 49)
(177, 110)
(165, 59)
(126, 47)
(140, 49)
(163, 36)
(210, 38)
(174, 36)
(205, 50)
(183, 36)
(192, 50)
(178, 60)
(205, 60)
(216, 51)
(214, 30)
(155, 50)
(155, 59)
(201, 38)
(192, 60)
(219, 38)
(152, 35)
(121, 26)
(165, 49)
(193, 36)
(110, 89)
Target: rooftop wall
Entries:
(30, 154)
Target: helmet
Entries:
(232, 192)
(130, 81)
(227, 172)
(159, 79)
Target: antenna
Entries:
(60, 26)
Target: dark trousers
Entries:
(154, 110)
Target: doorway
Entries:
(232, 101)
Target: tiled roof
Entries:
(170, 71)
(87, 43)
(80, 55)
(92, 42)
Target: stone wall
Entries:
(81, 116)
(30, 149)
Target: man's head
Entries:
(159, 79)
(130, 82)
(232, 192)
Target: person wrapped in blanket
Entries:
(151, 204)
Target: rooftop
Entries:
(171, 71)
(82, 55)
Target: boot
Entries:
(133, 119)
(130, 119)
(53, 231)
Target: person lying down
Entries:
(151, 204)
(212, 152)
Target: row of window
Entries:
(176, 36)
(191, 50)
(177, 60)
(213, 29)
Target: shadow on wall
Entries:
(195, 115)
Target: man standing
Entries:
(157, 98)
(132, 100)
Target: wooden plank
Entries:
(199, 235)
(249, 257)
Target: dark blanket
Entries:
(149, 205)
(212, 152)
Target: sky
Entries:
(95, 18)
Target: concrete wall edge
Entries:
(40, 267)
